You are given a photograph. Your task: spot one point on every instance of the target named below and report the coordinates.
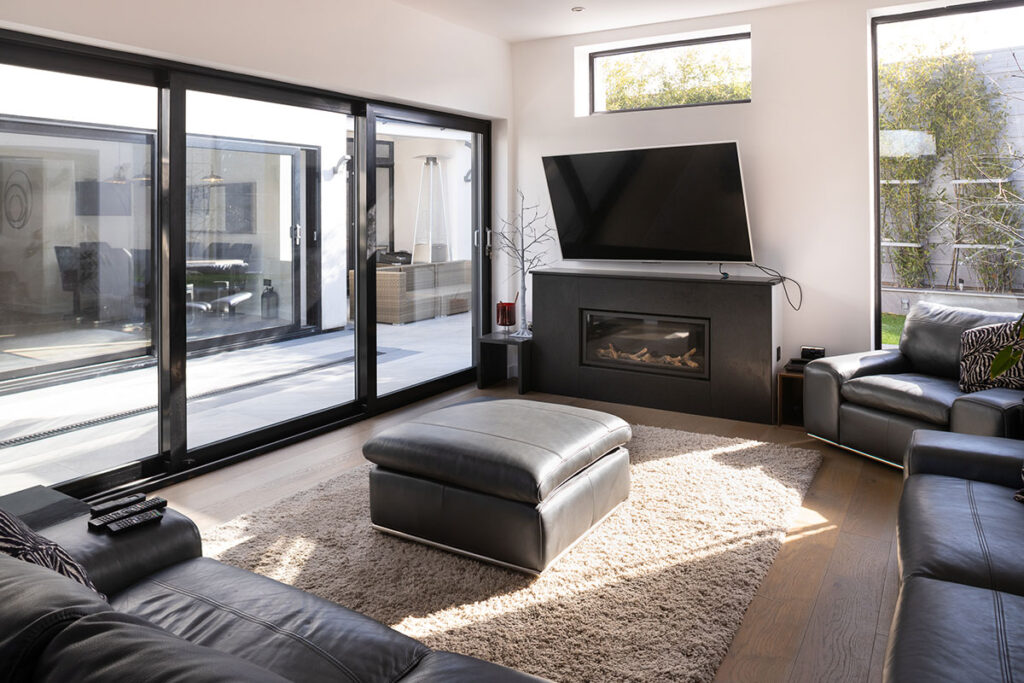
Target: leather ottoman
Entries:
(511, 482)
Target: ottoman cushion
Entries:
(512, 449)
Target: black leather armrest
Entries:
(823, 379)
(993, 412)
(115, 562)
(981, 458)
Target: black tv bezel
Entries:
(743, 190)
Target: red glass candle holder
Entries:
(506, 314)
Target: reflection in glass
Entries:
(425, 276)
(77, 376)
(267, 240)
(240, 273)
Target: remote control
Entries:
(111, 505)
(97, 523)
(134, 521)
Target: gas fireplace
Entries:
(646, 343)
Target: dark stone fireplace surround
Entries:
(740, 351)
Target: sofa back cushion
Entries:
(110, 647)
(931, 336)
(38, 603)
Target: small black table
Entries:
(41, 506)
(791, 399)
(493, 365)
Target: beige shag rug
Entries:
(655, 593)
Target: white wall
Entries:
(805, 142)
(375, 49)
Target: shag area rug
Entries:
(655, 593)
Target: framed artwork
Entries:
(21, 188)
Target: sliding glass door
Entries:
(195, 265)
(78, 383)
(270, 335)
(423, 252)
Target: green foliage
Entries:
(949, 97)
(639, 81)
(908, 212)
(892, 327)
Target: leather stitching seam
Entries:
(1002, 645)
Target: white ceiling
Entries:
(518, 20)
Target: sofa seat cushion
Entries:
(108, 647)
(961, 530)
(918, 396)
(944, 631)
(283, 629)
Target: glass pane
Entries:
(424, 283)
(269, 331)
(673, 75)
(78, 382)
(951, 149)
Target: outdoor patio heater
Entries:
(431, 235)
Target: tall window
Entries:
(677, 74)
(950, 153)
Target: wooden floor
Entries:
(823, 611)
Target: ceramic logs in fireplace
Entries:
(645, 343)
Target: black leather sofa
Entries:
(871, 402)
(960, 611)
(172, 615)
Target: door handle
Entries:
(297, 234)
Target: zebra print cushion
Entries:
(978, 346)
(21, 543)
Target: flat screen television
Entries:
(660, 204)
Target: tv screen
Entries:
(661, 204)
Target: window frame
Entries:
(650, 47)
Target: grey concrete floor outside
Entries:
(57, 433)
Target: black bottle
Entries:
(268, 301)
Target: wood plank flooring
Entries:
(823, 611)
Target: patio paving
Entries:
(57, 433)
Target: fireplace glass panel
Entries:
(646, 343)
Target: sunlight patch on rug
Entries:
(656, 592)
